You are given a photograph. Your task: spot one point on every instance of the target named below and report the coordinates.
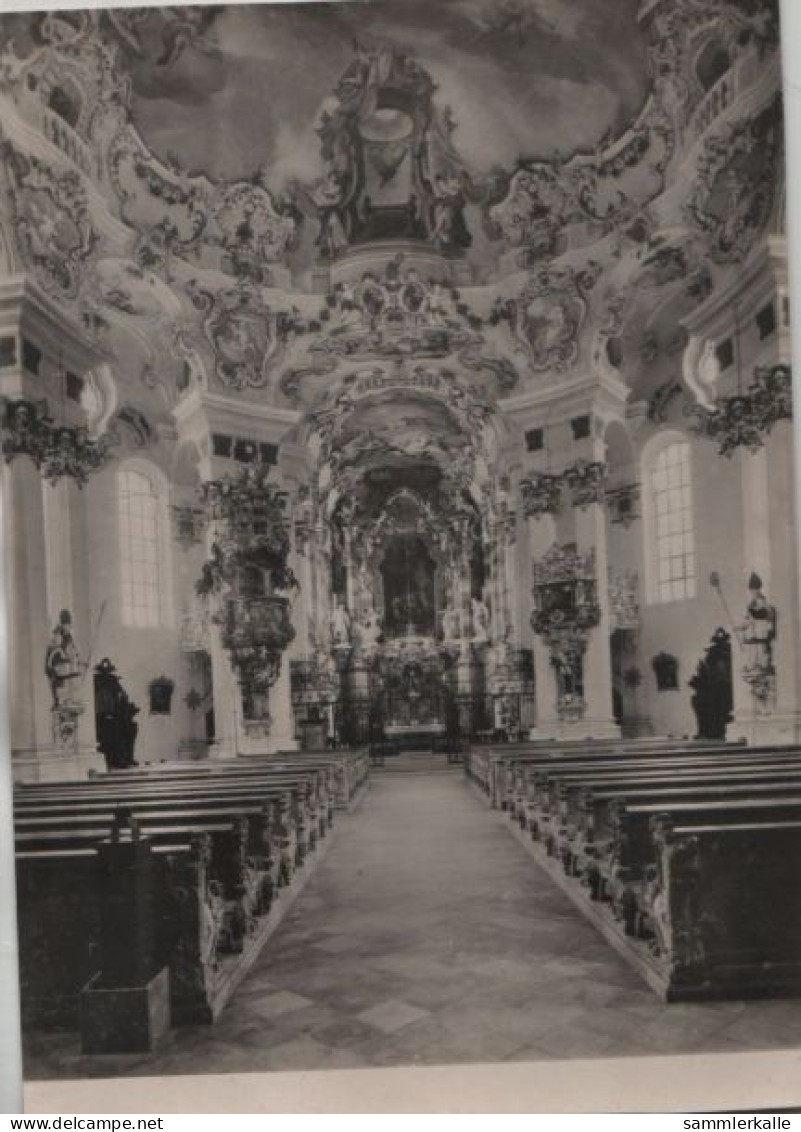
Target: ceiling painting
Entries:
(364, 210)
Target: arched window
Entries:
(669, 525)
(142, 549)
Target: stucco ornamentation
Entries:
(744, 420)
(26, 428)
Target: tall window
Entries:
(140, 549)
(672, 536)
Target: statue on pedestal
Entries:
(62, 662)
(63, 667)
(340, 626)
(481, 620)
(757, 634)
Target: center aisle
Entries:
(428, 935)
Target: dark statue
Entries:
(115, 718)
(713, 699)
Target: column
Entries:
(29, 699)
(227, 698)
(770, 550)
(465, 663)
(45, 552)
(282, 728)
(86, 631)
(541, 537)
(508, 539)
(598, 721)
(497, 567)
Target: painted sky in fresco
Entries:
(522, 77)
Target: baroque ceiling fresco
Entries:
(554, 185)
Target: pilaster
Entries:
(541, 537)
(45, 360)
(770, 546)
(200, 417)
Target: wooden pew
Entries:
(571, 811)
(236, 817)
(310, 813)
(60, 926)
(624, 870)
(504, 766)
(348, 770)
(244, 878)
(608, 822)
(568, 775)
(489, 766)
(606, 817)
(563, 806)
(295, 823)
(725, 907)
(539, 778)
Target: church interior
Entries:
(399, 533)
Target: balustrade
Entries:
(740, 76)
(68, 141)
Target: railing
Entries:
(56, 130)
(722, 95)
(464, 718)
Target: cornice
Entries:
(601, 392)
(752, 285)
(26, 308)
(200, 412)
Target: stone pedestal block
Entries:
(55, 764)
(127, 911)
(586, 728)
(116, 1019)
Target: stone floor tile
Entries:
(305, 1054)
(571, 1041)
(281, 1002)
(760, 1031)
(338, 944)
(391, 1016)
